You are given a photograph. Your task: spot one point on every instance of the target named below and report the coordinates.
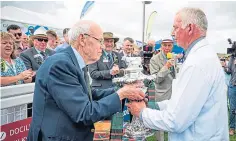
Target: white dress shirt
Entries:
(197, 110)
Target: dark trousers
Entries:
(232, 104)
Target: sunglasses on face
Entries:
(41, 40)
(19, 34)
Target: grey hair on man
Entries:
(76, 30)
(86, 37)
(129, 39)
(194, 16)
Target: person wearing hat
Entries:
(165, 73)
(162, 65)
(36, 55)
(109, 65)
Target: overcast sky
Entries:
(125, 18)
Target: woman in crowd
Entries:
(13, 70)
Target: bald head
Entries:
(84, 27)
(151, 43)
(87, 38)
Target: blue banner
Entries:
(86, 8)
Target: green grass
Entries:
(232, 138)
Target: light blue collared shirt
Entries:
(38, 51)
(79, 59)
(192, 45)
(106, 53)
(61, 47)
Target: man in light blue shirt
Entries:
(197, 110)
(66, 44)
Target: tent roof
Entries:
(21, 15)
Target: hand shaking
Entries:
(131, 92)
(136, 107)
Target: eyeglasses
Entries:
(19, 34)
(40, 40)
(101, 41)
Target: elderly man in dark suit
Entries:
(109, 65)
(35, 56)
(64, 106)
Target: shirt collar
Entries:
(79, 58)
(106, 53)
(38, 51)
(192, 45)
(126, 54)
(65, 44)
(163, 54)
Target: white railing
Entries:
(16, 95)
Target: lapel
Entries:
(105, 57)
(161, 57)
(34, 52)
(75, 62)
(36, 56)
(122, 54)
(115, 58)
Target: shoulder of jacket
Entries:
(28, 50)
(157, 56)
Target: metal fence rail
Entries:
(14, 101)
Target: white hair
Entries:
(76, 30)
(193, 16)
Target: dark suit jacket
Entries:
(100, 71)
(31, 60)
(62, 110)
